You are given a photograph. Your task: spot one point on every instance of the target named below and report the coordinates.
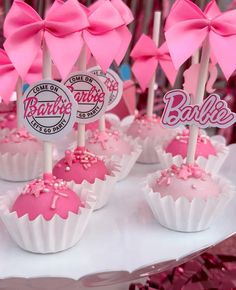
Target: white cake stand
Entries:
(122, 242)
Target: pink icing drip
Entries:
(48, 183)
(146, 122)
(184, 172)
(103, 137)
(80, 155)
(184, 136)
(17, 136)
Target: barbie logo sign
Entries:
(90, 94)
(48, 109)
(213, 112)
(113, 84)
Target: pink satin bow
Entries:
(187, 27)
(146, 58)
(25, 31)
(123, 31)
(9, 75)
(102, 37)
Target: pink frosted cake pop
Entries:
(187, 198)
(149, 133)
(20, 156)
(109, 143)
(8, 121)
(80, 165)
(179, 145)
(7, 108)
(188, 181)
(144, 126)
(95, 125)
(47, 197)
(19, 141)
(8, 118)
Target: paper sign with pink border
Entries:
(213, 112)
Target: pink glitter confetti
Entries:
(103, 137)
(184, 136)
(48, 184)
(80, 155)
(54, 201)
(17, 136)
(184, 172)
(146, 122)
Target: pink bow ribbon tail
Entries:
(8, 77)
(123, 31)
(187, 27)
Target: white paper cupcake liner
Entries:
(127, 161)
(21, 167)
(149, 144)
(41, 236)
(114, 120)
(212, 164)
(184, 215)
(102, 189)
(4, 132)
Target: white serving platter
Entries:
(123, 241)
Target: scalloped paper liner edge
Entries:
(102, 189)
(184, 215)
(21, 167)
(212, 164)
(41, 236)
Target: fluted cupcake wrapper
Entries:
(126, 161)
(21, 167)
(102, 189)
(184, 215)
(149, 154)
(212, 164)
(4, 132)
(42, 236)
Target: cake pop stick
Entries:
(18, 97)
(202, 80)
(102, 124)
(147, 56)
(47, 71)
(114, 86)
(151, 89)
(82, 65)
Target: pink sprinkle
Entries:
(54, 201)
(62, 194)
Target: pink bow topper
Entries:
(102, 37)
(123, 31)
(9, 75)
(26, 30)
(146, 58)
(187, 27)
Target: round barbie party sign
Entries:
(113, 84)
(48, 110)
(90, 94)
